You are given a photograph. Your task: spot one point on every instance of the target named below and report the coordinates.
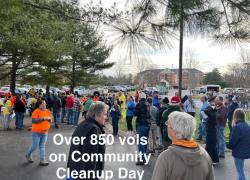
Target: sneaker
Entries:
(44, 163)
(29, 159)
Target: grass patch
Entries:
(123, 124)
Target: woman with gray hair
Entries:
(184, 159)
(93, 125)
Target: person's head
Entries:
(98, 111)
(155, 93)
(211, 100)
(120, 93)
(176, 93)
(142, 95)
(149, 100)
(130, 98)
(190, 97)
(181, 126)
(165, 100)
(115, 102)
(235, 99)
(219, 100)
(237, 116)
(41, 104)
(203, 98)
(18, 97)
(175, 100)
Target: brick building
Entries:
(191, 78)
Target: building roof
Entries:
(151, 70)
(192, 70)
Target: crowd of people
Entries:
(167, 123)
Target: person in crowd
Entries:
(189, 106)
(203, 118)
(164, 105)
(137, 96)
(221, 118)
(41, 118)
(19, 109)
(130, 114)
(231, 108)
(211, 131)
(69, 107)
(31, 104)
(184, 159)
(174, 106)
(153, 127)
(142, 113)
(115, 113)
(8, 110)
(122, 103)
(57, 106)
(76, 110)
(96, 96)
(83, 101)
(93, 125)
(64, 110)
(87, 105)
(156, 101)
(183, 100)
(239, 142)
(1, 105)
(49, 101)
(32, 92)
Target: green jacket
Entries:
(87, 104)
(164, 118)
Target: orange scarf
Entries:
(186, 143)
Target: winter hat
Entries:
(142, 95)
(175, 100)
(166, 100)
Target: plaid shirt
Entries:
(77, 105)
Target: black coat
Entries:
(19, 106)
(211, 120)
(86, 129)
(142, 111)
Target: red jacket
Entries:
(69, 102)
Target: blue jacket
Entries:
(203, 107)
(240, 141)
(231, 109)
(130, 108)
(156, 102)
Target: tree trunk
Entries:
(73, 83)
(181, 49)
(13, 75)
(47, 89)
(48, 83)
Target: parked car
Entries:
(56, 90)
(240, 90)
(4, 91)
(79, 91)
(228, 90)
(150, 90)
(21, 90)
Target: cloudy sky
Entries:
(209, 54)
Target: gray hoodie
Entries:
(182, 163)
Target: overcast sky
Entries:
(209, 54)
